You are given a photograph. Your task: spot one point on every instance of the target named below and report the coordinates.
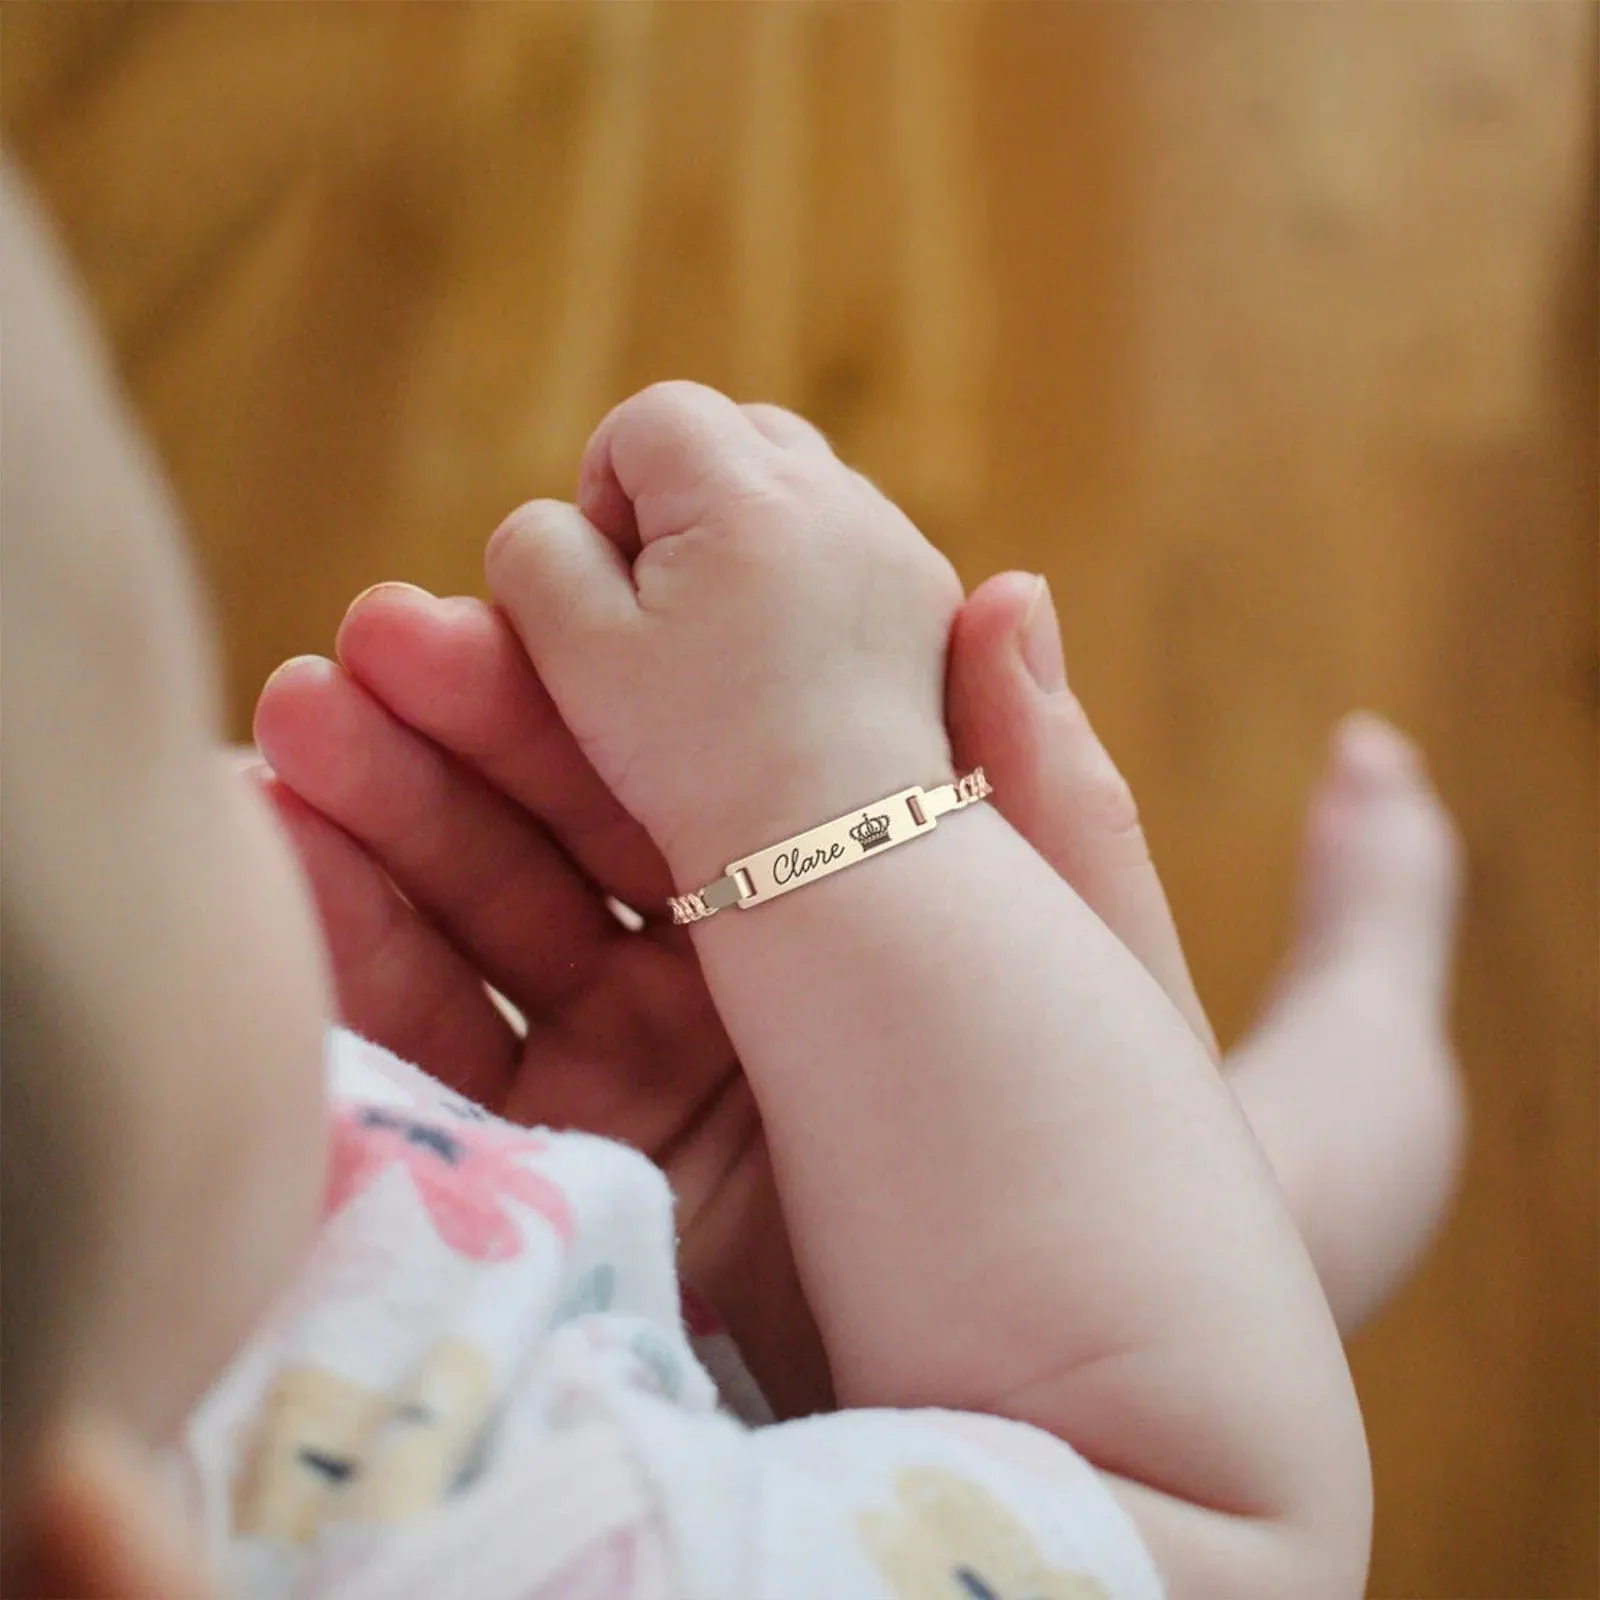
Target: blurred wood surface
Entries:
(1267, 332)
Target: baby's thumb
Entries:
(563, 584)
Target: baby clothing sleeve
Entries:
(485, 1383)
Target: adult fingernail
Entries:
(393, 587)
(1039, 640)
(1367, 746)
(316, 666)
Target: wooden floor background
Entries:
(1268, 332)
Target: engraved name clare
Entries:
(795, 864)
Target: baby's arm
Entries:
(1015, 1182)
(1017, 1185)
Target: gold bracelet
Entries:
(819, 852)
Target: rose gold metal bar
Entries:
(830, 847)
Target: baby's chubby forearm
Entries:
(1014, 1181)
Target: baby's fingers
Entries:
(561, 581)
(664, 458)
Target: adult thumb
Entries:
(1010, 711)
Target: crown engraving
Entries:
(870, 832)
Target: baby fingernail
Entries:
(1039, 640)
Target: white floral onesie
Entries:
(482, 1385)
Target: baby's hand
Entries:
(745, 636)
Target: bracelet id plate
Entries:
(830, 847)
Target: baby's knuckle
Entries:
(792, 481)
(670, 404)
(784, 425)
(751, 501)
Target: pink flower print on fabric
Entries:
(464, 1174)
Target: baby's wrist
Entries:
(788, 794)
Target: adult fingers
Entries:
(398, 980)
(475, 863)
(1010, 711)
(455, 671)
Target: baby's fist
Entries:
(744, 635)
